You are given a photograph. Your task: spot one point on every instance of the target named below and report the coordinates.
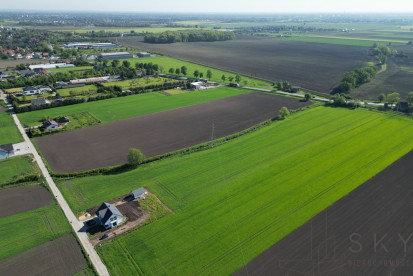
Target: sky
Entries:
(224, 6)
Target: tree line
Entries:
(355, 78)
(189, 36)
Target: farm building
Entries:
(109, 216)
(45, 88)
(296, 89)
(115, 55)
(50, 124)
(138, 193)
(51, 66)
(197, 85)
(89, 80)
(38, 102)
(86, 45)
(144, 54)
(64, 120)
(6, 151)
(30, 90)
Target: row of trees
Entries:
(189, 36)
(355, 79)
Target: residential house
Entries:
(197, 85)
(143, 54)
(28, 56)
(38, 102)
(45, 88)
(6, 151)
(50, 124)
(138, 193)
(296, 89)
(30, 90)
(109, 216)
(64, 120)
(26, 73)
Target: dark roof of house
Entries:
(49, 123)
(44, 86)
(39, 101)
(6, 148)
(106, 210)
(28, 88)
(138, 192)
(24, 73)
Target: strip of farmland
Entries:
(341, 239)
(234, 201)
(158, 133)
(61, 256)
(21, 199)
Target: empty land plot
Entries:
(71, 69)
(28, 229)
(4, 64)
(131, 106)
(167, 63)
(20, 199)
(138, 82)
(15, 166)
(313, 66)
(380, 207)
(159, 133)
(61, 256)
(9, 134)
(234, 201)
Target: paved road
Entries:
(77, 225)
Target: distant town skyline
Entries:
(212, 6)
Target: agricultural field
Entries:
(314, 66)
(14, 167)
(168, 62)
(131, 106)
(234, 201)
(9, 134)
(17, 230)
(21, 199)
(382, 207)
(70, 69)
(61, 256)
(11, 63)
(159, 133)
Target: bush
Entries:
(135, 157)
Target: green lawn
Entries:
(26, 230)
(70, 69)
(130, 106)
(14, 166)
(138, 82)
(9, 134)
(77, 91)
(234, 201)
(167, 62)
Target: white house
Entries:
(197, 85)
(6, 151)
(45, 88)
(30, 90)
(38, 102)
(138, 193)
(109, 216)
(50, 124)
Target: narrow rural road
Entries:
(76, 225)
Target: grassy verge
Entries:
(26, 230)
(135, 105)
(235, 200)
(70, 69)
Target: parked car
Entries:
(104, 237)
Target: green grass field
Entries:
(26, 230)
(167, 63)
(138, 82)
(234, 201)
(71, 69)
(130, 106)
(336, 41)
(82, 90)
(9, 134)
(14, 166)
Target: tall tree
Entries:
(223, 78)
(135, 157)
(196, 73)
(209, 74)
(184, 70)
